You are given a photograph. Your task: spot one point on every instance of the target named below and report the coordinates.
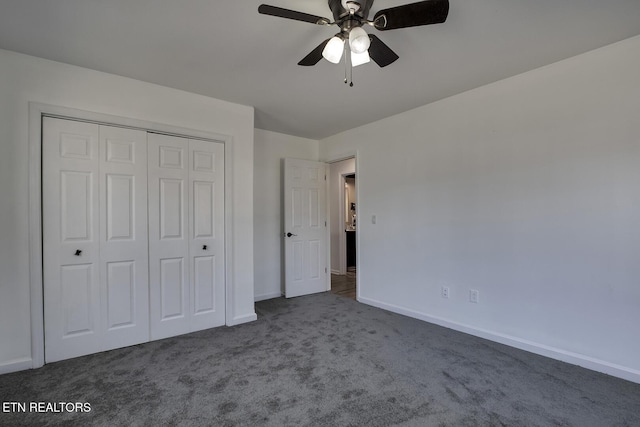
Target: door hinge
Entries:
(325, 223)
(325, 270)
(325, 177)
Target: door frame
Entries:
(343, 239)
(36, 281)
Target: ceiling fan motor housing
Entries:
(339, 12)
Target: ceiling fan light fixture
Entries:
(332, 52)
(360, 58)
(358, 40)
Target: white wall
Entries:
(269, 150)
(336, 203)
(527, 190)
(24, 79)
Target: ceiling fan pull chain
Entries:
(350, 68)
(351, 75)
(345, 64)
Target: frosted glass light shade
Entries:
(359, 58)
(332, 52)
(358, 40)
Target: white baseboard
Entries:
(267, 296)
(16, 365)
(598, 365)
(336, 272)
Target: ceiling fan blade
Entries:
(380, 52)
(412, 15)
(314, 56)
(265, 9)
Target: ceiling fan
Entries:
(350, 16)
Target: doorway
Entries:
(344, 228)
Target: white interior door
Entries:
(94, 238)
(124, 268)
(206, 231)
(168, 241)
(186, 235)
(71, 246)
(305, 227)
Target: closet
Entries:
(133, 236)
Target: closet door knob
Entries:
(78, 252)
(204, 247)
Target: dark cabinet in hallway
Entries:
(351, 248)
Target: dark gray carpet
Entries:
(323, 360)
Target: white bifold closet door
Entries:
(95, 241)
(133, 236)
(186, 235)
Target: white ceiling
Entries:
(226, 50)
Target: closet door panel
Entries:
(206, 177)
(204, 284)
(171, 208)
(123, 236)
(168, 240)
(172, 288)
(122, 310)
(71, 249)
(77, 292)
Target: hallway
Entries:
(344, 285)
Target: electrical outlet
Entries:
(474, 296)
(444, 291)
